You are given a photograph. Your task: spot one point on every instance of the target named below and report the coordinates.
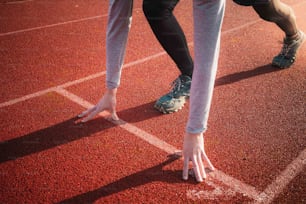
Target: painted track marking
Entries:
(17, 2)
(234, 184)
(123, 124)
(52, 25)
(218, 191)
(283, 179)
(74, 82)
(56, 24)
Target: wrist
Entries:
(111, 91)
(188, 134)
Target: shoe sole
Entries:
(161, 109)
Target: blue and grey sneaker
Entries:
(176, 98)
(287, 55)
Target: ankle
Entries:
(294, 36)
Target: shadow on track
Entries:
(155, 173)
(239, 76)
(68, 131)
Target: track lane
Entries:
(228, 78)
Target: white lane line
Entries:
(56, 24)
(81, 80)
(151, 139)
(241, 26)
(283, 179)
(218, 192)
(26, 97)
(52, 25)
(233, 183)
(78, 81)
(42, 92)
(17, 2)
(236, 184)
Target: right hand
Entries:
(193, 150)
(106, 103)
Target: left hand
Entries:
(106, 103)
(193, 149)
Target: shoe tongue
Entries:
(183, 78)
(287, 40)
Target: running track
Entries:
(52, 68)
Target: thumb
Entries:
(114, 115)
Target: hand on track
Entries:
(106, 103)
(193, 150)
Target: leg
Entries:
(283, 16)
(279, 13)
(167, 30)
(119, 22)
(169, 33)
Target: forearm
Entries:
(119, 22)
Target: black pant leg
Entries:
(169, 33)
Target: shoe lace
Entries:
(176, 86)
(285, 49)
(287, 45)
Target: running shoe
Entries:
(287, 56)
(177, 97)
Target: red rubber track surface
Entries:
(52, 62)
